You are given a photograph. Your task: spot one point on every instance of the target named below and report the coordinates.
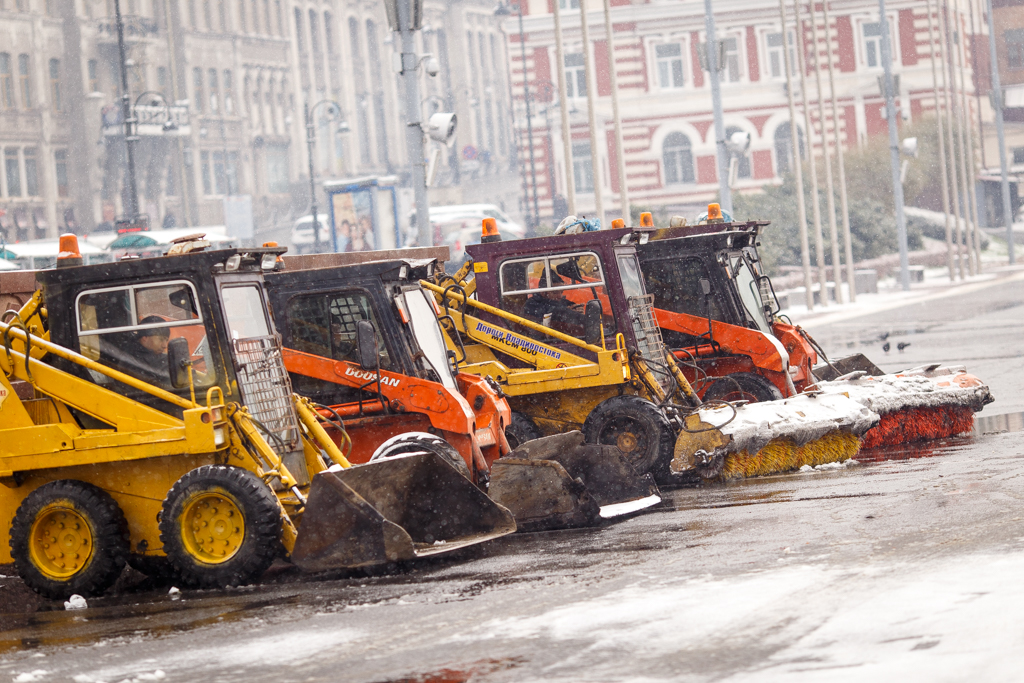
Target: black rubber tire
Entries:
(633, 420)
(110, 540)
(260, 511)
(520, 429)
(427, 442)
(743, 386)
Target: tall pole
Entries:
(794, 135)
(588, 71)
(974, 246)
(997, 91)
(413, 125)
(954, 178)
(844, 203)
(312, 179)
(830, 192)
(965, 202)
(535, 219)
(563, 98)
(613, 71)
(724, 191)
(819, 242)
(173, 64)
(128, 116)
(894, 147)
(942, 146)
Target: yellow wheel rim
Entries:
(61, 543)
(212, 527)
(626, 442)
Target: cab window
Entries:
(129, 328)
(554, 291)
(325, 325)
(675, 285)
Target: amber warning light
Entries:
(489, 231)
(714, 212)
(646, 220)
(618, 224)
(68, 254)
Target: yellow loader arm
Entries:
(552, 366)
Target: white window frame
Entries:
(862, 45)
(572, 82)
(547, 258)
(667, 61)
(740, 58)
(770, 50)
(134, 313)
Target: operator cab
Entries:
(712, 273)
(322, 308)
(193, 323)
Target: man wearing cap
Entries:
(151, 348)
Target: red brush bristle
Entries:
(919, 424)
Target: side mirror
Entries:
(178, 359)
(366, 345)
(705, 286)
(592, 322)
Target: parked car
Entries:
(476, 213)
(302, 233)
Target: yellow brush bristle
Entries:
(783, 455)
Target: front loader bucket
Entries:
(395, 509)
(560, 481)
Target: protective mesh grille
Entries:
(648, 338)
(266, 388)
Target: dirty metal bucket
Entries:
(559, 481)
(396, 509)
(855, 362)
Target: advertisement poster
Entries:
(353, 220)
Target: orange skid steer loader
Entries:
(717, 310)
(363, 342)
(155, 424)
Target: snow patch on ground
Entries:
(940, 619)
(803, 419)
(31, 676)
(228, 652)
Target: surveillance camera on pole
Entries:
(738, 143)
(441, 126)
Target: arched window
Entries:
(743, 160)
(678, 159)
(784, 148)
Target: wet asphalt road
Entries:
(906, 565)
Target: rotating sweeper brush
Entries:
(928, 402)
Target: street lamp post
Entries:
(535, 219)
(128, 117)
(335, 109)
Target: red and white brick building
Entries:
(665, 98)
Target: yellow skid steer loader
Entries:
(146, 416)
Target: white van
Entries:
(476, 213)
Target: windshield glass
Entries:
(746, 282)
(629, 271)
(427, 331)
(244, 309)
